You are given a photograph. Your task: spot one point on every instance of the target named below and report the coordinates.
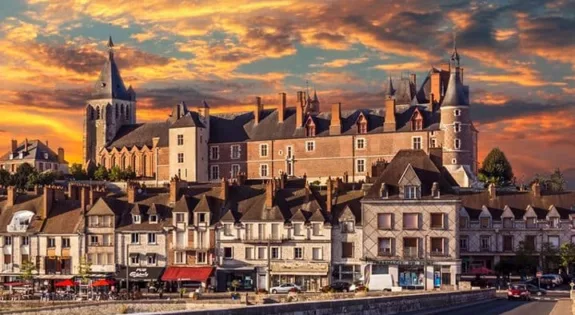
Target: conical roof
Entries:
(110, 83)
(455, 93)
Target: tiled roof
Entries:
(64, 218)
(36, 150)
(190, 119)
(140, 135)
(23, 202)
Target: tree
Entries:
(525, 259)
(4, 177)
(567, 254)
(85, 269)
(20, 178)
(129, 174)
(44, 178)
(116, 174)
(28, 268)
(549, 256)
(555, 182)
(78, 172)
(101, 173)
(496, 169)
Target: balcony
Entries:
(258, 240)
(384, 252)
(8, 268)
(192, 247)
(437, 252)
(411, 252)
(102, 244)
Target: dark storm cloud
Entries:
(512, 109)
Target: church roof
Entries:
(141, 135)
(455, 94)
(109, 83)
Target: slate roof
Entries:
(140, 135)
(36, 150)
(190, 119)
(23, 202)
(110, 83)
(65, 217)
(518, 201)
(456, 93)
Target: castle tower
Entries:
(459, 135)
(111, 107)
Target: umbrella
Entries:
(102, 283)
(481, 271)
(65, 283)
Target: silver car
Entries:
(285, 288)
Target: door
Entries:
(262, 283)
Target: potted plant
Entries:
(235, 285)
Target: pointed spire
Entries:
(455, 54)
(110, 43)
(205, 104)
(390, 90)
(109, 83)
(455, 94)
(315, 99)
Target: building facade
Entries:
(35, 153)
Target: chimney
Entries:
(389, 123)
(225, 189)
(174, 189)
(299, 110)
(26, 145)
(84, 197)
(14, 145)
(270, 192)
(435, 190)
(11, 195)
(61, 155)
(492, 191)
(435, 90)
(329, 198)
(282, 107)
(536, 189)
(258, 110)
(383, 191)
(47, 201)
(335, 125)
(413, 79)
(47, 143)
(131, 190)
(283, 181)
(96, 193)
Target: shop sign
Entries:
(399, 262)
(300, 267)
(152, 273)
(139, 273)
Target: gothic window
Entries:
(124, 162)
(416, 121)
(90, 113)
(103, 161)
(127, 112)
(133, 162)
(362, 125)
(112, 161)
(145, 165)
(98, 112)
(117, 110)
(109, 112)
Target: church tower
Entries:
(110, 107)
(459, 135)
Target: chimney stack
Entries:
(258, 110)
(84, 197)
(61, 155)
(174, 189)
(225, 188)
(492, 191)
(389, 122)
(26, 145)
(435, 190)
(329, 198)
(47, 201)
(536, 189)
(11, 195)
(282, 107)
(299, 109)
(335, 125)
(413, 79)
(270, 192)
(131, 191)
(14, 145)
(283, 181)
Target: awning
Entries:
(103, 283)
(199, 274)
(65, 283)
(145, 273)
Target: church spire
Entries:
(455, 54)
(390, 90)
(109, 83)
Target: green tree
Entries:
(85, 269)
(555, 182)
(129, 174)
(4, 177)
(567, 254)
(525, 259)
(496, 169)
(20, 178)
(116, 174)
(28, 268)
(549, 256)
(101, 173)
(44, 178)
(78, 172)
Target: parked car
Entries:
(558, 279)
(357, 286)
(535, 290)
(337, 286)
(285, 288)
(546, 282)
(518, 291)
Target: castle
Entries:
(297, 140)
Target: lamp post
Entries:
(425, 263)
(127, 264)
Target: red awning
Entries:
(102, 283)
(65, 283)
(199, 274)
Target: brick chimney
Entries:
(435, 190)
(335, 124)
(299, 109)
(270, 192)
(282, 107)
(47, 201)
(536, 189)
(131, 191)
(14, 143)
(258, 110)
(225, 189)
(11, 195)
(329, 198)
(413, 79)
(61, 155)
(389, 123)
(174, 189)
(26, 145)
(84, 193)
(283, 181)
(492, 191)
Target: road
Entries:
(504, 307)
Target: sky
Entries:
(518, 58)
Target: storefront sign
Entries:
(145, 273)
(399, 262)
(299, 267)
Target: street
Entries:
(504, 307)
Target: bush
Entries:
(123, 309)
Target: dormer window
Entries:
(348, 227)
(417, 121)
(508, 223)
(530, 223)
(554, 222)
(411, 192)
(153, 218)
(202, 218)
(463, 222)
(310, 131)
(362, 125)
(485, 222)
(136, 218)
(21, 155)
(45, 155)
(180, 218)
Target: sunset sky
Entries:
(519, 60)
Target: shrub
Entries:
(123, 309)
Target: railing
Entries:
(263, 239)
(384, 252)
(7, 268)
(101, 244)
(438, 252)
(411, 252)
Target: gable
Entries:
(530, 212)
(553, 213)
(507, 213)
(409, 177)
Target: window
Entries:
(554, 222)
(107, 221)
(463, 243)
(94, 240)
(463, 222)
(214, 153)
(456, 127)
(151, 238)
(485, 242)
(228, 229)
(136, 218)
(201, 217)
(316, 253)
(485, 222)
(507, 243)
(385, 221)
(261, 253)
(263, 150)
(8, 240)
(529, 242)
(180, 257)
(135, 238)
(151, 259)
(289, 151)
(348, 227)
(411, 221)
(214, 172)
(201, 257)
(508, 223)
(411, 192)
(309, 146)
(264, 170)
(433, 142)
(180, 217)
(65, 242)
(180, 158)
(228, 253)
(437, 246)
(135, 259)
(235, 151)
(437, 221)
(346, 250)
(180, 139)
(310, 130)
(249, 253)
(298, 253)
(553, 240)
(25, 240)
(153, 218)
(457, 112)
(316, 229)
(297, 229)
(275, 251)
(41, 167)
(457, 143)
(360, 143)
(93, 220)
(107, 239)
(416, 143)
(235, 170)
(24, 258)
(362, 125)
(360, 165)
(384, 246)
(530, 223)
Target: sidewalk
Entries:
(563, 307)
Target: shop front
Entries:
(310, 276)
(414, 274)
(144, 278)
(244, 276)
(188, 278)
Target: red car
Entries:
(518, 291)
